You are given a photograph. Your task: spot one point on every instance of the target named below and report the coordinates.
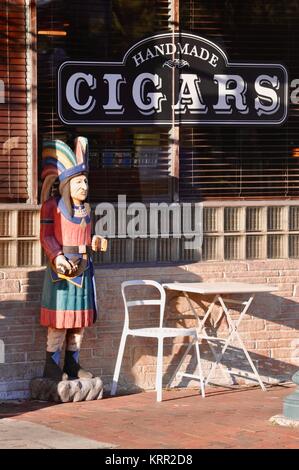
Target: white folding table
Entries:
(219, 290)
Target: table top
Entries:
(217, 287)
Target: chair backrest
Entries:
(133, 303)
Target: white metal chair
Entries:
(159, 332)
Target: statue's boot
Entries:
(72, 366)
(52, 369)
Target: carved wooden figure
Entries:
(69, 296)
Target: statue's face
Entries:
(79, 188)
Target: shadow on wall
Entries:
(24, 339)
(265, 331)
(270, 328)
(269, 333)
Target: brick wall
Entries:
(269, 331)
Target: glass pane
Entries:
(130, 161)
(5, 225)
(253, 161)
(255, 247)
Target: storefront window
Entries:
(14, 184)
(216, 161)
(236, 162)
(123, 160)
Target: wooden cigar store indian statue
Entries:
(68, 298)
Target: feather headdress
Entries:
(60, 161)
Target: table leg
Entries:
(234, 332)
(201, 333)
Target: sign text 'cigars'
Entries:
(165, 79)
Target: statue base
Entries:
(283, 421)
(45, 389)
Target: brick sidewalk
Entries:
(225, 419)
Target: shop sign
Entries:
(172, 79)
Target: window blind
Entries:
(130, 161)
(243, 162)
(13, 118)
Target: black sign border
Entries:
(172, 122)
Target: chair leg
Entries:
(202, 385)
(118, 362)
(159, 372)
(174, 375)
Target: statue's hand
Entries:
(64, 265)
(99, 243)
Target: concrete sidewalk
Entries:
(228, 418)
(17, 434)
